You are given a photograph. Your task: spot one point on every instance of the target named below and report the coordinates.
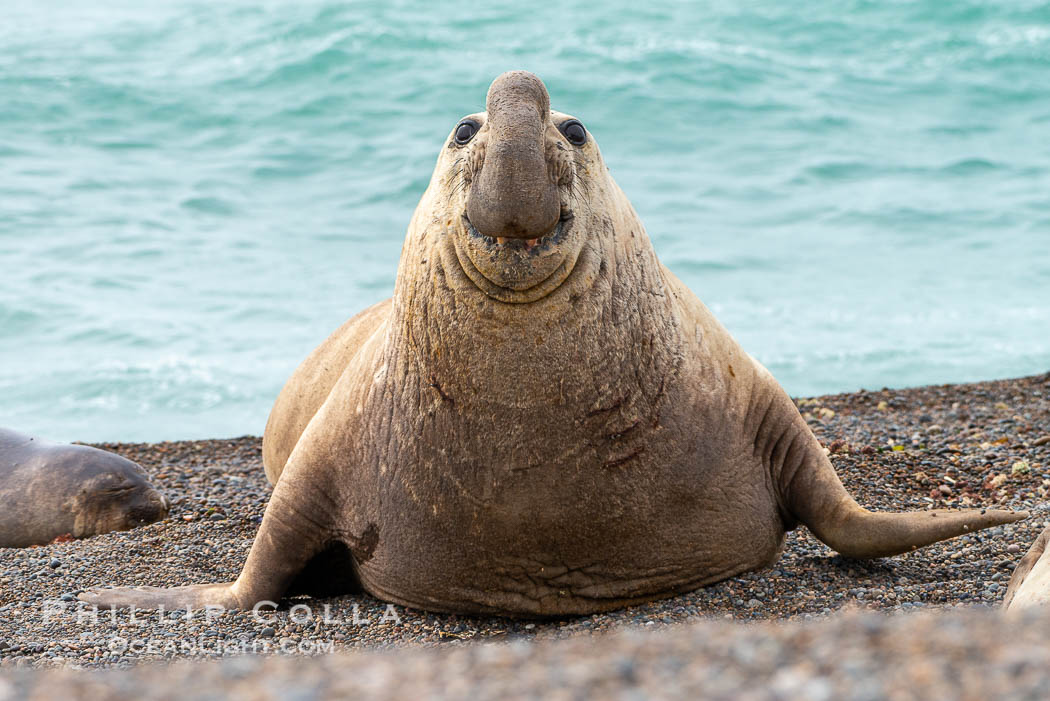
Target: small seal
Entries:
(1030, 584)
(49, 490)
(543, 420)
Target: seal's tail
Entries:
(811, 493)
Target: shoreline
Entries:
(108, 444)
(970, 445)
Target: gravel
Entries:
(969, 654)
(975, 445)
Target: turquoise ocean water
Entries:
(194, 194)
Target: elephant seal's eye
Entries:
(466, 131)
(574, 132)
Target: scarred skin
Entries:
(543, 420)
(49, 490)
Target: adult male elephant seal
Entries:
(543, 420)
(1030, 584)
(49, 490)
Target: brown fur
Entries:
(1030, 584)
(49, 490)
(539, 427)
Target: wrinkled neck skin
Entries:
(593, 346)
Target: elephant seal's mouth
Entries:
(517, 269)
(533, 246)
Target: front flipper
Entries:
(809, 491)
(296, 526)
(194, 597)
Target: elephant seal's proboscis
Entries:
(543, 420)
(50, 490)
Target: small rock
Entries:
(945, 490)
(55, 562)
(267, 632)
(1013, 548)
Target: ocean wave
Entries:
(194, 194)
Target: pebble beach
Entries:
(969, 655)
(975, 445)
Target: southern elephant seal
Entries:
(1030, 584)
(543, 420)
(48, 490)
